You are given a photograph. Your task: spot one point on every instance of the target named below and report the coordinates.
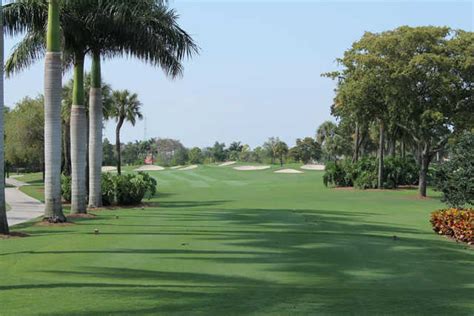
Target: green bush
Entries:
(364, 173)
(336, 174)
(455, 178)
(66, 191)
(108, 189)
(127, 189)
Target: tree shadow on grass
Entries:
(280, 261)
(187, 204)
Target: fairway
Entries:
(220, 241)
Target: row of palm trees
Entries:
(65, 32)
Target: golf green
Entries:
(218, 241)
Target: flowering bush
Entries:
(455, 223)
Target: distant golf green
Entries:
(216, 241)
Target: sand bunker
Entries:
(288, 171)
(150, 168)
(109, 169)
(313, 167)
(188, 168)
(251, 168)
(228, 163)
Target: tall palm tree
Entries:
(145, 29)
(52, 112)
(3, 211)
(126, 108)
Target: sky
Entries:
(259, 70)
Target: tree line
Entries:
(405, 91)
(65, 33)
(325, 145)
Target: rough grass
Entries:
(217, 241)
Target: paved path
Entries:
(23, 207)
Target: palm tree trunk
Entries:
(95, 135)
(355, 157)
(67, 149)
(3, 211)
(78, 140)
(381, 152)
(117, 145)
(424, 164)
(52, 117)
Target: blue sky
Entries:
(258, 74)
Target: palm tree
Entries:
(145, 29)
(3, 211)
(52, 109)
(126, 108)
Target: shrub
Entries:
(400, 171)
(66, 191)
(455, 223)
(128, 189)
(455, 178)
(364, 173)
(336, 173)
(108, 189)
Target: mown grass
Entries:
(217, 241)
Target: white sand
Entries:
(188, 168)
(251, 168)
(150, 168)
(288, 171)
(313, 167)
(109, 169)
(228, 163)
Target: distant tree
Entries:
(333, 143)
(306, 150)
(126, 108)
(180, 157)
(270, 148)
(218, 152)
(246, 154)
(108, 153)
(234, 150)
(259, 154)
(166, 149)
(24, 134)
(281, 151)
(195, 156)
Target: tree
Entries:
(270, 147)
(195, 155)
(3, 210)
(234, 150)
(166, 150)
(218, 152)
(431, 69)
(455, 178)
(147, 30)
(66, 116)
(306, 150)
(333, 143)
(126, 108)
(281, 150)
(108, 153)
(24, 134)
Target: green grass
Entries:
(217, 241)
(35, 188)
